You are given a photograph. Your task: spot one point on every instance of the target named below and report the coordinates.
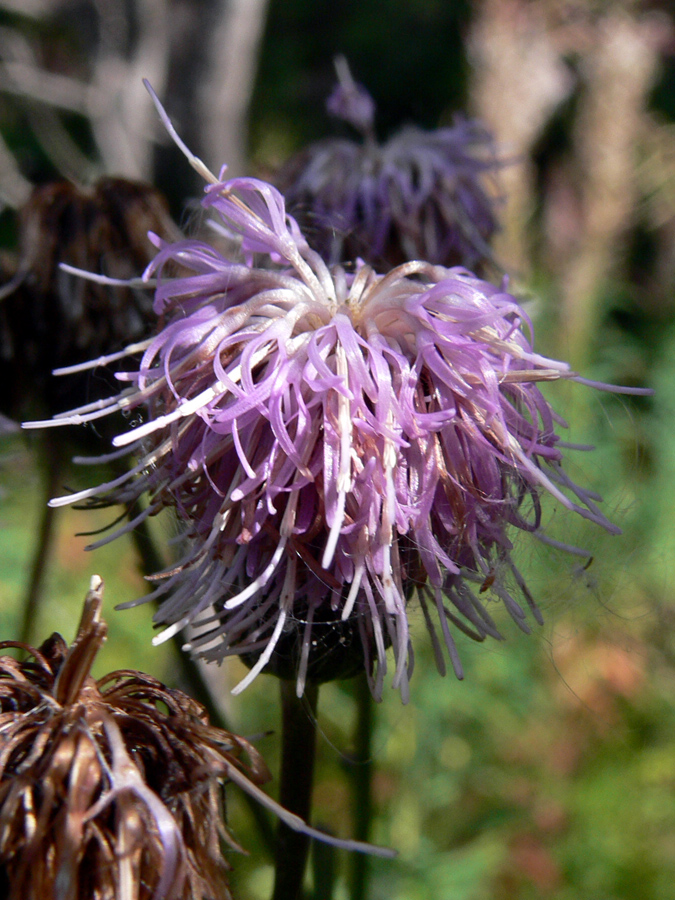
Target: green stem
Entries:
(323, 871)
(362, 778)
(298, 746)
(52, 453)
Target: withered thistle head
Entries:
(109, 789)
(51, 318)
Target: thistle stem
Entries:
(52, 453)
(362, 777)
(298, 745)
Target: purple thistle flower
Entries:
(336, 444)
(420, 195)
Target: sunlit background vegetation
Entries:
(550, 770)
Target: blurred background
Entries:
(550, 771)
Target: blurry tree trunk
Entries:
(619, 72)
(123, 120)
(519, 80)
(200, 57)
(227, 86)
(528, 58)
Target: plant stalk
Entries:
(361, 778)
(52, 453)
(298, 746)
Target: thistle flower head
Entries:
(109, 788)
(336, 443)
(420, 195)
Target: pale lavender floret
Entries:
(336, 444)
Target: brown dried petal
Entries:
(108, 790)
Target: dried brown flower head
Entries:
(50, 318)
(109, 789)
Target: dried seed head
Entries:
(109, 789)
(51, 318)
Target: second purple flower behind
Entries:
(419, 195)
